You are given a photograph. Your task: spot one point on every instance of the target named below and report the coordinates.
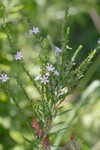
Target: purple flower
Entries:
(50, 67)
(44, 80)
(4, 77)
(58, 50)
(34, 30)
(18, 56)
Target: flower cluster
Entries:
(45, 78)
(19, 56)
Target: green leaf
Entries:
(59, 123)
(27, 140)
(62, 113)
(76, 53)
(60, 130)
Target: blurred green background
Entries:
(16, 19)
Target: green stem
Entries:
(10, 94)
(31, 78)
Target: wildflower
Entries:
(56, 73)
(37, 78)
(34, 30)
(18, 56)
(58, 50)
(4, 77)
(44, 80)
(68, 47)
(50, 67)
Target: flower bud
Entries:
(45, 143)
(35, 124)
(40, 133)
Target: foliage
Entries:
(49, 74)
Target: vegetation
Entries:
(49, 75)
